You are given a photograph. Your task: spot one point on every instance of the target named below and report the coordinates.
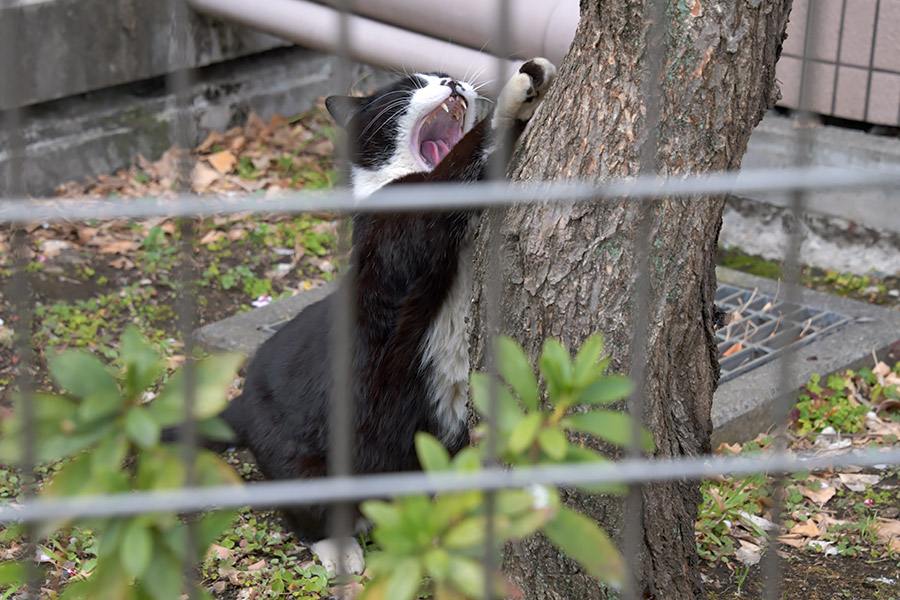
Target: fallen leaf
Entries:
(123, 263)
(259, 565)
(202, 177)
(211, 236)
(223, 161)
(220, 552)
(792, 539)
(887, 530)
(858, 483)
(346, 591)
(808, 529)
(748, 553)
(733, 350)
(119, 247)
(881, 369)
(821, 496)
(213, 139)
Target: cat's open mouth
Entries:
(435, 135)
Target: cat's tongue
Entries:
(434, 151)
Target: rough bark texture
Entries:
(568, 271)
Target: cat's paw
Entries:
(524, 91)
(340, 553)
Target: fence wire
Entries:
(340, 488)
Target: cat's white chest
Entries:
(446, 348)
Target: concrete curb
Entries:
(745, 406)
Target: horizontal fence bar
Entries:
(453, 196)
(351, 489)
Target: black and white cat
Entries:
(412, 291)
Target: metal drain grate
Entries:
(761, 327)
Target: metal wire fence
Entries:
(341, 487)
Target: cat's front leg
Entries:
(338, 553)
(522, 94)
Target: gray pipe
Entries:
(315, 26)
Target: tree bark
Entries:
(570, 270)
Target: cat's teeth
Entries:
(462, 102)
(444, 106)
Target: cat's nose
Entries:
(453, 85)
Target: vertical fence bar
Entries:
(655, 14)
(18, 290)
(342, 407)
(177, 83)
(493, 298)
(771, 564)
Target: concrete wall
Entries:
(67, 47)
(855, 71)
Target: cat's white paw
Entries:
(336, 553)
(524, 91)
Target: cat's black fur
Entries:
(403, 266)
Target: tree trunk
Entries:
(568, 271)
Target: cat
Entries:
(409, 355)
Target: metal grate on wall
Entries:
(760, 328)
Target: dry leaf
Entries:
(792, 539)
(213, 139)
(223, 161)
(202, 177)
(346, 591)
(733, 350)
(858, 483)
(820, 496)
(220, 552)
(119, 247)
(808, 529)
(211, 236)
(881, 369)
(887, 530)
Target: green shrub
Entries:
(109, 440)
(435, 545)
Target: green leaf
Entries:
(554, 442)
(467, 534)
(72, 479)
(587, 361)
(513, 365)
(12, 573)
(522, 436)
(432, 455)
(110, 453)
(467, 460)
(556, 366)
(141, 428)
(211, 376)
(467, 576)
(82, 374)
(167, 577)
(437, 563)
(142, 365)
(381, 513)
(211, 527)
(578, 454)
(98, 406)
(404, 581)
(136, 548)
(581, 538)
(215, 428)
(508, 412)
(609, 425)
(606, 390)
(212, 470)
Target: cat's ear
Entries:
(342, 108)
